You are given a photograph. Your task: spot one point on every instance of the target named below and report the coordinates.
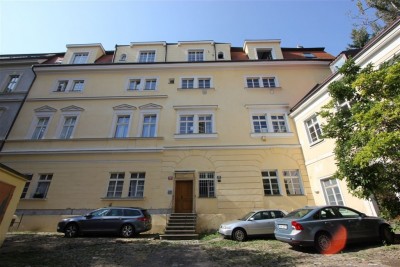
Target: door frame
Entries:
(184, 176)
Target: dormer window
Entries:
(264, 54)
(220, 55)
(147, 56)
(309, 55)
(80, 58)
(123, 57)
(196, 55)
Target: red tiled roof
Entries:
(105, 59)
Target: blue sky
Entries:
(34, 26)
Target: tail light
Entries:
(143, 219)
(297, 226)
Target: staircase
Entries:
(180, 226)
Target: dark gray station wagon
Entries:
(119, 220)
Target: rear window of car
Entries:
(300, 213)
(132, 213)
(146, 213)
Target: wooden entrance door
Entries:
(184, 197)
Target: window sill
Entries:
(121, 198)
(295, 195)
(34, 199)
(195, 136)
(276, 195)
(273, 135)
(317, 142)
(208, 197)
(195, 89)
(263, 88)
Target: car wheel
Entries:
(323, 242)
(127, 230)
(386, 235)
(239, 235)
(71, 230)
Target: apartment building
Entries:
(194, 126)
(318, 152)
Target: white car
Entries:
(254, 223)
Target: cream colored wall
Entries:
(250, 48)
(18, 182)
(133, 52)
(179, 52)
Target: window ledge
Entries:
(263, 88)
(195, 89)
(121, 198)
(295, 195)
(317, 142)
(274, 135)
(34, 199)
(276, 195)
(208, 197)
(195, 136)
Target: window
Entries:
(270, 182)
(191, 124)
(253, 82)
(123, 57)
(134, 84)
(206, 184)
(261, 82)
(26, 187)
(278, 123)
(40, 128)
(150, 84)
(147, 56)
(12, 82)
(78, 86)
(62, 86)
(116, 184)
(68, 127)
(195, 55)
(260, 123)
(43, 186)
(136, 185)
(122, 126)
(332, 192)
(187, 83)
(204, 83)
(264, 54)
(313, 129)
(220, 55)
(292, 182)
(149, 125)
(268, 82)
(80, 58)
(186, 124)
(309, 55)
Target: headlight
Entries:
(224, 227)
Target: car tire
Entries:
(323, 242)
(127, 230)
(71, 230)
(386, 235)
(239, 235)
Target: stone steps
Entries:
(181, 226)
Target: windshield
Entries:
(247, 216)
(300, 213)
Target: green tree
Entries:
(373, 15)
(367, 132)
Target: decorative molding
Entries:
(72, 108)
(150, 106)
(124, 107)
(45, 109)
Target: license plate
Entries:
(282, 226)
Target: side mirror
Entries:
(88, 216)
(251, 219)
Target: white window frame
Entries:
(196, 113)
(196, 82)
(268, 178)
(144, 113)
(11, 85)
(44, 178)
(195, 51)
(69, 87)
(118, 113)
(63, 118)
(35, 122)
(146, 80)
(291, 184)
(75, 82)
(41, 128)
(142, 86)
(307, 128)
(332, 186)
(140, 179)
(117, 179)
(207, 181)
(260, 79)
(124, 125)
(268, 112)
(147, 52)
(27, 185)
(75, 55)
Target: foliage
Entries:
(367, 132)
(373, 16)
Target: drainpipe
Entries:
(115, 51)
(215, 52)
(166, 51)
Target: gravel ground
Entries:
(51, 249)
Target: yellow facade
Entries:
(233, 151)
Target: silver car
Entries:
(257, 222)
(330, 228)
